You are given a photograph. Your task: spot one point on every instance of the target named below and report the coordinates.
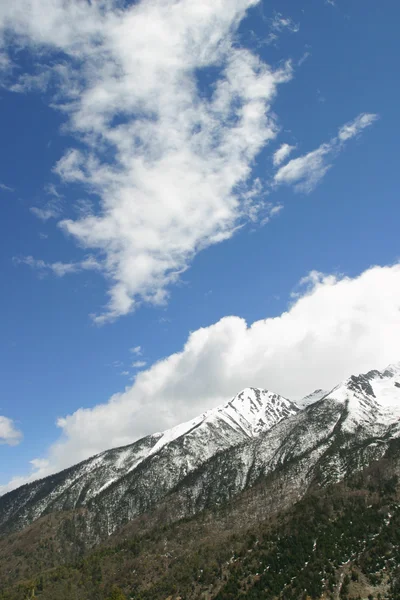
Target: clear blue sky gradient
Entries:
(54, 360)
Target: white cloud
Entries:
(117, 364)
(276, 209)
(9, 434)
(278, 24)
(337, 326)
(303, 59)
(355, 127)
(138, 350)
(52, 208)
(169, 164)
(5, 63)
(139, 364)
(44, 213)
(6, 188)
(282, 153)
(306, 171)
(29, 83)
(58, 268)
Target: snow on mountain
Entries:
(172, 454)
(250, 413)
(311, 398)
(255, 410)
(372, 398)
(333, 435)
(213, 457)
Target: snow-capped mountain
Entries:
(251, 412)
(311, 398)
(372, 399)
(157, 462)
(330, 438)
(258, 436)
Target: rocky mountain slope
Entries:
(131, 479)
(229, 470)
(338, 542)
(217, 455)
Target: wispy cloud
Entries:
(44, 213)
(282, 153)
(169, 164)
(355, 127)
(138, 350)
(306, 171)
(9, 433)
(52, 208)
(139, 364)
(117, 364)
(28, 83)
(6, 188)
(278, 24)
(303, 59)
(57, 268)
(5, 62)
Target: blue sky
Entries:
(105, 189)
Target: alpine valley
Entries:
(259, 498)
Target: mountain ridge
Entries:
(223, 451)
(246, 461)
(210, 432)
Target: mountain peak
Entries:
(255, 410)
(221, 452)
(248, 414)
(372, 397)
(393, 369)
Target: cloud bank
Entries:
(335, 327)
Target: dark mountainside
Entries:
(259, 498)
